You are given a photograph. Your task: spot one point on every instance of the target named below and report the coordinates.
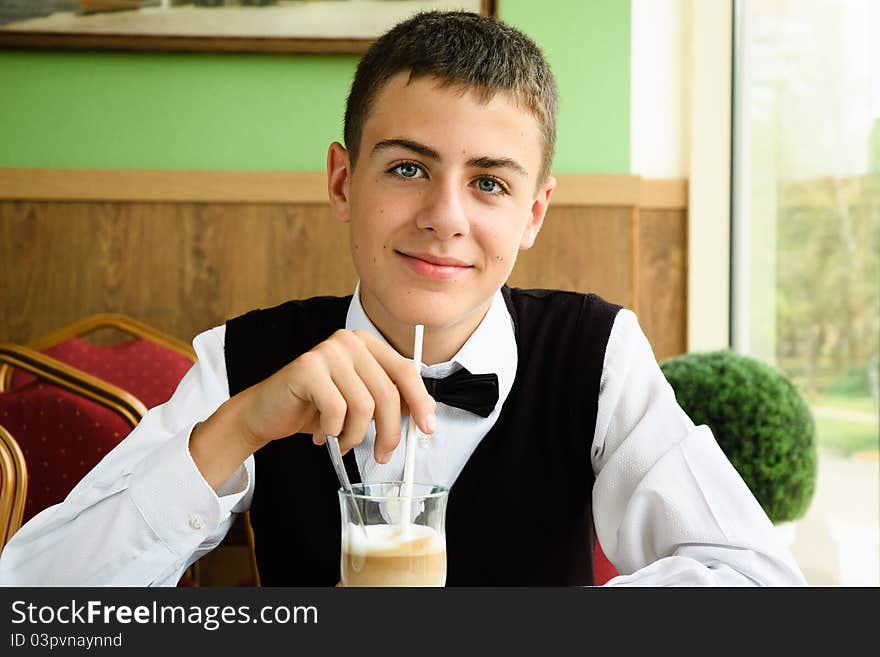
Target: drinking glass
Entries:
(403, 539)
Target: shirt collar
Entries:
(490, 348)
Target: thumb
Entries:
(423, 411)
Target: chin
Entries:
(413, 310)
(434, 310)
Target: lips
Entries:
(437, 267)
(435, 259)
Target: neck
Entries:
(440, 343)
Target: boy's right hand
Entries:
(336, 388)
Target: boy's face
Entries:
(442, 198)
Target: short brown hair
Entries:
(459, 49)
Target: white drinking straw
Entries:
(411, 432)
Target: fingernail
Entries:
(431, 423)
(383, 457)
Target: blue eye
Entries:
(490, 186)
(408, 169)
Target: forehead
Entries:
(452, 119)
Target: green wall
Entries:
(271, 112)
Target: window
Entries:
(806, 249)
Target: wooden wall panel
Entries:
(582, 249)
(179, 267)
(184, 267)
(662, 280)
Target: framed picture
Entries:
(312, 26)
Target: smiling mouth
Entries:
(433, 267)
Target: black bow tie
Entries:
(477, 393)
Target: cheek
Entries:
(500, 249)
(380, 220)
(370, 237)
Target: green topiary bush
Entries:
(761, 422)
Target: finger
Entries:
(406, 378)
(339, 355)
(387, 404)
(383, 393)
(329, 403)
(359, 407)
(307, 380)
(312, 425)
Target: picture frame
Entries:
(256, 26)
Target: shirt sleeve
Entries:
(668, 506)
(143, 514)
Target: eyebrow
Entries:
(409, 145)
(425, 151)
(498, 163)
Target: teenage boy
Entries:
(449, 130)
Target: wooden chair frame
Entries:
(70, 378)
(117, 321)
(98, 390)
(249, 531)
(75, 380)
(102, 320)
(12, 460)
(13, 493)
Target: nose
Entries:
(443, 212)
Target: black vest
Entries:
(520, 511)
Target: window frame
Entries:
(710, 222)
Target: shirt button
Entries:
(196, 522)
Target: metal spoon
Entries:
(339, 466)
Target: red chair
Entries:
(13, 486)
(65, 421)
(603, 570)
(149, 364)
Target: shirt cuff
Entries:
(176, 501)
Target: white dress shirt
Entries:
(669, 508)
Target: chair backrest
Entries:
(149, 365)
(13, 486)
(252, 549)
(118, 321)
(70, 419)
(603, 569)
(65, 421)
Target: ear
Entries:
(339, 181)
(539, 209)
